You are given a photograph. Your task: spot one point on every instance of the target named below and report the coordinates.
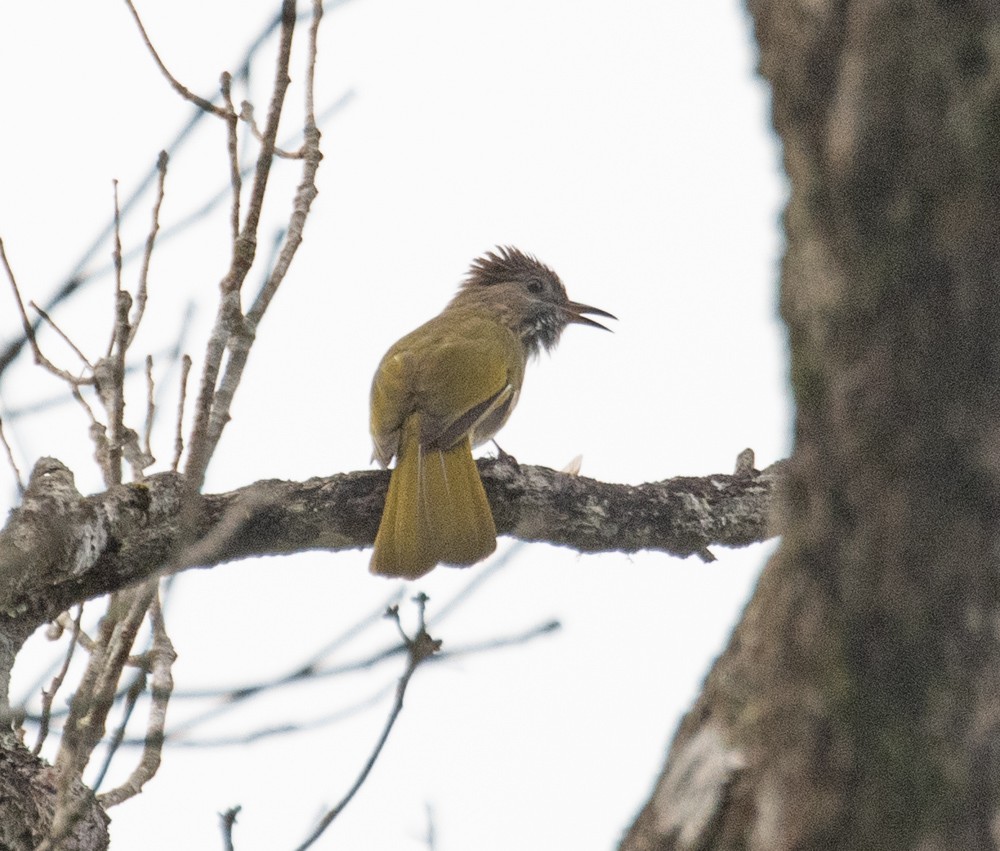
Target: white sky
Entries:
(627, 145)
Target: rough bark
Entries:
(59, 548)
(27, 795)
(858, 703)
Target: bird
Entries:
(447, 387)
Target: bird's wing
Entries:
(465, 379)
(391, 401)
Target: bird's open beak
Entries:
(576, 311)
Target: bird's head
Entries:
(526, 295)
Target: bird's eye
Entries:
(534, 287)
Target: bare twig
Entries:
(232, 330)
(306, 192)
(116, 262)
(182, 90)
(228, 821)
(240, 343)
(430, 838)
(248, 117)
(98, 434)
(29, 330)
(179, 436)
(220, 196)
(48, 695)
(109, 372)
(161, 659)
(64, 621)
(419, 648)
(150, 409)
(340, 714)
(96, 692)
(132, 695)
(94, 698)
(230, 698)
(260, 733)
(61, 333)
(11, 461)
(232, 147)
(80, 275)
(147, 254)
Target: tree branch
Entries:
(75, 548)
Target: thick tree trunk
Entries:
(858, 703)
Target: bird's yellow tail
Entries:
(436, 511)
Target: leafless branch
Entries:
(10, 460)
(228, 821)
(29, 330)
(64, 622)
(61, 333)
(81, 273)
(260, 733)
(247, 116)
(147, 254)
(48, 695)
(419, 648)
(183, 91)
(93, 700)
(430, 837)
(130, 698)
(96, 692)
(232, 148)
(179, 435)
(499, 643)
(98, 434)
(161, 658)
(150, 410)
(233, 330)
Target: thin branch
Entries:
(241, 264)
(161, 659)
(64, 622)
(430, 837)
(109, 372)
(48, 695)
(256, 735)
(93, 700)
(79, 276)
(179, 435)
(96, 693)
(29, 330)
(221, 195)
(228, 821)
(51, 322)
(171, 354)
(183, 91)
(150, 410)
(500, 643)
(247, 116)
(98, 434)
(240, 343)
(231, 330)
(147, 254)
(419, 648)
(132, 695)
(306, 192)
(116, 263)
(11, 461)
(232, 148)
